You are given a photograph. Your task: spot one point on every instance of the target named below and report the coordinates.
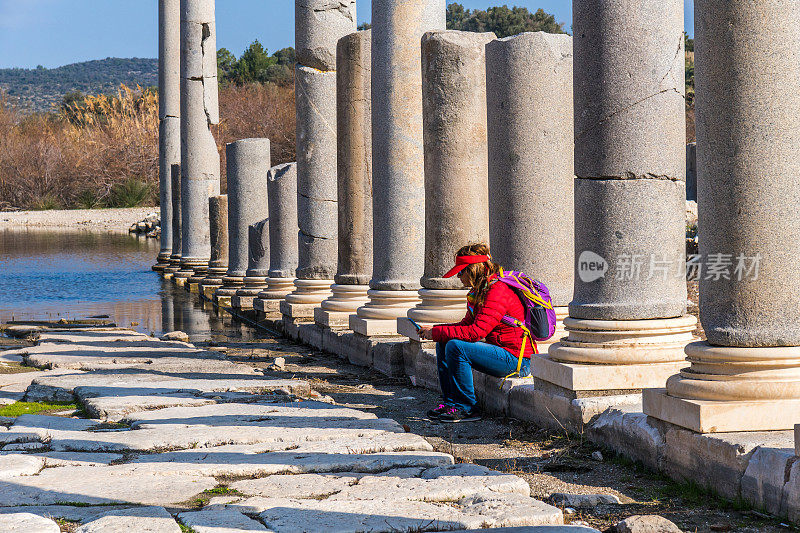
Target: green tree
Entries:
(364, 26)
(688, 43)
(501, 20)
(225, 63)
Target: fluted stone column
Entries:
(255, 279)
(627, 322)
(177, 239)
(248, 163)
(531, 161)
(282, 187)
(398, 199)
(218, 266)
(169, 116)
(354, 194)
(746, 377)
(200, 170)
(319, 24)
(456, 168)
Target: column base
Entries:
(708, 416)
(437, 306)
(209, 290)
(616, 355)
(253, 285)
(162, 261)
(379, 316)
(731, 389)
(308, 295)
(230, 284)
(578, 377)
(344, 301)
(267, 307)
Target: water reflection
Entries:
(49, 275)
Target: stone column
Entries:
(746, 377)
(177, 244)
(282, 186)
(248, 162)
(169, 116)
(456, 168)
(531, 161)
(200, 169)
(218, 266)
(255, 279)
(354, 194)
(398, 200)
(319, 24)
(627, 322)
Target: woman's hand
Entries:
(426, 332)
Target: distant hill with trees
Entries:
(41, 89)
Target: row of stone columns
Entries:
(568, 155)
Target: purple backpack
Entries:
(540, 318)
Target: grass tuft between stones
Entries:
(31, 408)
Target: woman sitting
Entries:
(458, 346)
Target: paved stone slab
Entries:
(111, 484)
(15, 465)
(27, 523)
(56, 459)
(443, 484)
(294, 515)
(142, 519)
(66, 512)
(310, 485)
(220, 521)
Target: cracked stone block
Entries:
(317, 212)
(632, 433)
(27, 523)
(765, 477)
(220, 521)
(319, 24)
(149, 519)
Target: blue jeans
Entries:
(455, 361)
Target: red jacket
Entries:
(486, 324)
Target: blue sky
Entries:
(57, 32)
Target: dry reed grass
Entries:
(103, 152)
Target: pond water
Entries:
(50, 275)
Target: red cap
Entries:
(462, 261)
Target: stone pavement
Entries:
(179, 434)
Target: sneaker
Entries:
(454, 415)
(434, 414)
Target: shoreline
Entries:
(115, 220)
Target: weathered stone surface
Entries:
(765, 477)
(646, 524)
(149, 519)
(691, 172)
(169, 109)
(27, 523)
(354, 158)
(398, 156)
(282, 187)
(531, 147)
(584, 501)
(759, 174)
(92, 485)
(319, 24)
(455, 147)
(176, 336)
(66, 512)
(631, 433)
(177, 217)
(610, 223)
(15, 465)
(57, 459)
(220, 521)
(638, 129)
(248, 174)
(317, 213)
(258, 250)
(200, 169)
(218, 220)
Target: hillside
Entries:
(40, 88)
